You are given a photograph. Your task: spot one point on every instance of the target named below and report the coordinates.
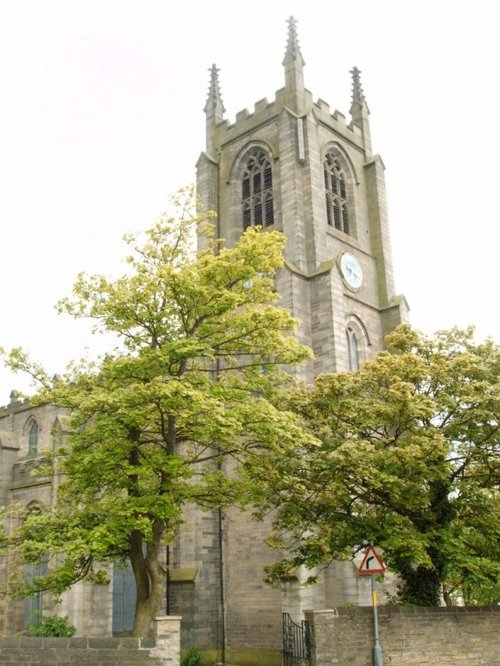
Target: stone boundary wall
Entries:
(163, 650)
(91, 651)
(408, 636)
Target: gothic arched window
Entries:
(337, 206)
(33, 604)
(33, 439)
(352, 349)
(257, 191)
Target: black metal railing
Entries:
(296, 642)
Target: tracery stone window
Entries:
(352, 349)
(33, 438)
(337, 205)
(257, 190)
(33, 604)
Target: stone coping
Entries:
(87, 643)
(404, 610)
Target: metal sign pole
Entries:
(377, 650)
(371, 565)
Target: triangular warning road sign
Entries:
(371, 564)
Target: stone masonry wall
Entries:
(408, 636)
(163, 650)
(81, 651)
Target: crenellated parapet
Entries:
(293, 99)
(337, 122)
(266, 112)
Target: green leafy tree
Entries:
(407, 456)
(187, 396)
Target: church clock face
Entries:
(351, 270)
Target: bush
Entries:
(191, 658)
(51, 625)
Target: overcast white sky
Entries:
(101, 119)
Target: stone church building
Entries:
(294, 165)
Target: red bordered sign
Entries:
(371, 564)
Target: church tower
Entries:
(294, 166)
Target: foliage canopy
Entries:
(409, 459)
(203, 345)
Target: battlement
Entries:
(337, 121)
(246, 121)
(16, 403)
(265, 111)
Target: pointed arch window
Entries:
(33, 604)
(33, 439)
(124, 597)
(337, 205)
(352, 349)
(257, 191)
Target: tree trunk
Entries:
(146, 610)
(421, 586)
(150, 579)
(448, 599)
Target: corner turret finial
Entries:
(292, 47)
(214, 105)
(357, 90)
(358, 104)
(214, 109)
(293, 63)
(359, 108)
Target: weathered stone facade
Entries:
(328, 198)
(25, 433)
(314, 177)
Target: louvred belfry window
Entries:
(337, 206)
(257, 191)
